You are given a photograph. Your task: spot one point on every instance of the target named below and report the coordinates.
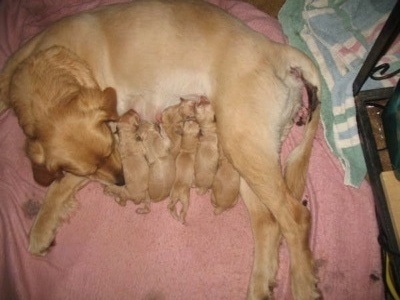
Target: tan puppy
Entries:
(254, 85)
(225, 187)
(184, 170)
(206, 160)
(136, 169)
(160, 160)
(172, 119)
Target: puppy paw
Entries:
(120, 201)
(173, 211)
(219, 210)
(108, 190)
(201, 191)
(143, 210)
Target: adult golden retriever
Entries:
(152, 53)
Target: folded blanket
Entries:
(338, 36)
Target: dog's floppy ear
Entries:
(110, 104)
(41, 174)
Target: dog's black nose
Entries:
(120, 180)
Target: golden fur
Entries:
(206, 159)
(136, 169)
(184, 165)
(160, 160)
(152, 53)
(172, 119)
(55, 120)
(225, 186)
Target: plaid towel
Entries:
(338, 35)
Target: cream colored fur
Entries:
(136, 168)
(154, 52)
(206, 159)
(225, 186)
(161, 162)
(184, 165)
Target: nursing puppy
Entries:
(206, 159)
(172, 119)
(136, 169)
(184, 175)
(161, 162)
(152, 53)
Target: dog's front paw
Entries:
(40, 242)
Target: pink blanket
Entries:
(109, 252)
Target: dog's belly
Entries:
(165, 90)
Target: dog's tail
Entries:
(297, 163)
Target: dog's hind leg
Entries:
(249, 122)
(267, 237)
(262, 173)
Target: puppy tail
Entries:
(298, 160)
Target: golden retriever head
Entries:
(75, 137)
(64, 115)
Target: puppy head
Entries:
(154, 139)
(75, 138)
(130, 119)
(204, 112)
(186, 109)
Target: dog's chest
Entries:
(151, 97)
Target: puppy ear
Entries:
(41, 175)
(110, 104)
(202, 101)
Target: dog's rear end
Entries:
(298, 160)
(272, 98)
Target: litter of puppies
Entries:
(169, 157)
